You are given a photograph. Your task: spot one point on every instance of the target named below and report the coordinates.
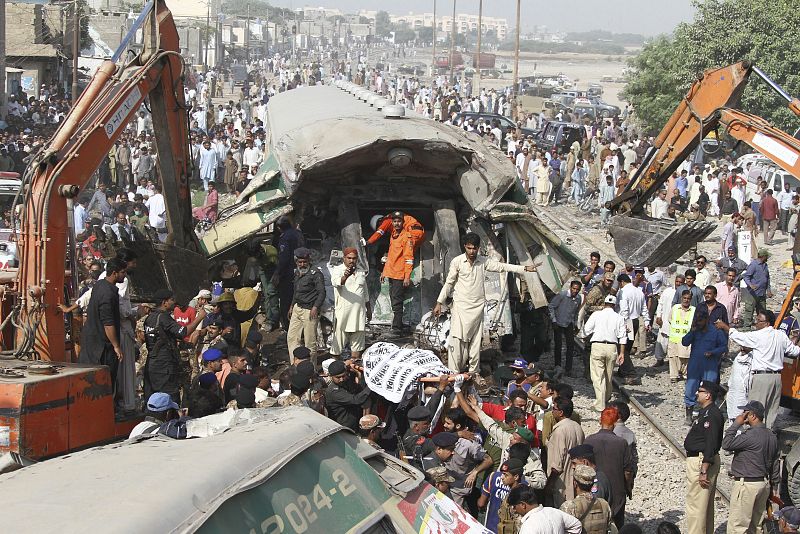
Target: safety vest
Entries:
(680, 323)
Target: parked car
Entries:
(594, 110)
(565, 99)
(775, 177)
(559, 135)
(506, 124)
(595, 89)
(239, 74)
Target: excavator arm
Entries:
(641, 240)
(66, 165)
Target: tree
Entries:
(722, 32)
(425, 34)
(382, 24)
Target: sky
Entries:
(646, 17)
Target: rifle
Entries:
(401, 448)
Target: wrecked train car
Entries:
(339, 156)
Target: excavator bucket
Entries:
(655, 242)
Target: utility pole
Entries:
(2, 60)
(434, 39)
(452, 42)
(208, 30)
(247, 38)
(516, 68)
(480, 31)
(76, 49)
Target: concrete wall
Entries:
(112, 27)
(23, 26)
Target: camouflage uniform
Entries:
(597, 520)
(508, 522)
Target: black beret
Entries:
(248, 381)
(302, 253)
(581, 451)
(162, 294)
(337, 368)
(417, 413)
(301, 353)
(306, 369)
(445, 439)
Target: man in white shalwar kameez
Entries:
(465, 281)
(351, 305)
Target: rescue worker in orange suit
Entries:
(412, 227)
(399, 262)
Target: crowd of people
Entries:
(517, 458)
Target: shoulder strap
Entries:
(588, 509)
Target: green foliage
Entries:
(382, 24)
(627, 39)
(425, 34)
(723, 32)
(555, 48)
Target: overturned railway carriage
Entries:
(339, 155)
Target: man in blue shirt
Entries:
(495, 490)
(697, 293)
(754, 296)
(682, 184)
(592, 273)
(708, 345)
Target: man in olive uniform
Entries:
(161, 335)
(702, 446)
(309, 295)
(755, 468)
(416, 442)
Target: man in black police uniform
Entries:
(755, 468)
(345, 398)
(309, 295)
(416, 441)
(161, 335)
(702, 446)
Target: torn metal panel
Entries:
(497, 320)
(535, 240)
(532, 280)
(310, 126)
(228, 232)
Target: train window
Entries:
(384, 526)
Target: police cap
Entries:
(417, 413)
(445, 440)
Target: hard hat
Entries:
(373, 222)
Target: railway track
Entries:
(664, 434)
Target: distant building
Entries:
(444, 23)
(35, 44)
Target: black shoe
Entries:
(659, 363)
(688, 420)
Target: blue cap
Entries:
(161, 402)
(212, 355)
(519, 363)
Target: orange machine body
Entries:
(42, 416)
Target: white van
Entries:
(774, 176)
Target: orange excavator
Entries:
(49, 405)
(708, 106)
